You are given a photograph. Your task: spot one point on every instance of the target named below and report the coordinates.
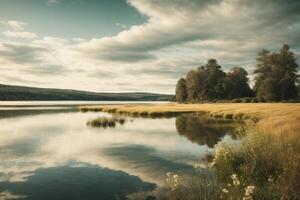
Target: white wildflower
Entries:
(173, 181)
(213, 163)
(225, 190)
(197, 167)
(235, 180)
(270, 179)
(234, 176)
(169, 174)
(249, 190)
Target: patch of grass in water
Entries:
(105, 122)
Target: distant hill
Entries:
(21, 93)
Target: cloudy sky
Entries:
(136, 45)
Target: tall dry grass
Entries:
(261, 167)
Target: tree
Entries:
(285, 72)
(181, 92)
(192, 85)
(195, 80)
(278, 69)
(267, 90)
(263, 69)
(236, 84)
(210, 82)
(213, 84)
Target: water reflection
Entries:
(36, 151)
(77, 181)
(21, 112)
(205, 130)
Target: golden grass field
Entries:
(275, 118)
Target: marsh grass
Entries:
(106, 122)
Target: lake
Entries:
(49, 152)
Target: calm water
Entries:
(50, 153)
(55, 103)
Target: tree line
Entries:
(275, 79)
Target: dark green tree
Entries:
(192, 85)
(263, 70)
(237, 84)
(285, 73)
(181, 91)
(210, 82)
(195, 80)
(214, 82)
(278, 69)
(206, 82)
(267, 90)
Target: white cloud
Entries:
(52, 2)
(16, 25)
(20, 34)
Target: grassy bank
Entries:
(261, 167)
(278, 118)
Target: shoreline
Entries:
(271, 117)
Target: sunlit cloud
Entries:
(20, 34)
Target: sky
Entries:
(136, 45)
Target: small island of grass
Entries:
(106, 122)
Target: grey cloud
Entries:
(149, 86)
(46, 70)
(30, 59)
(163, 72)
(18, 80)
(20, 53)
(179, 21)
(118, 55)
(101, 74)
(167, 69)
